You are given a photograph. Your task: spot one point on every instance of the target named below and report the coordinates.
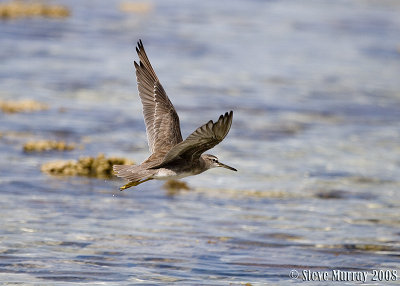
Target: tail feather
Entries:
(133, 173)
(118, 168)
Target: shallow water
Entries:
(316, 97)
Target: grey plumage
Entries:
(171, 157)
(161, 120)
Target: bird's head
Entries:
(212, 162)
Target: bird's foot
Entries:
(130, 184)
(133, 184)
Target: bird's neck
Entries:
(202, 165)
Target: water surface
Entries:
(316, 97)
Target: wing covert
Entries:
(202, 139)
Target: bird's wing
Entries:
(161, 120)
(201, 140)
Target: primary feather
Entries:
(160, 117)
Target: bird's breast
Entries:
(167, 174)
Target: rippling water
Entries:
(316, 94)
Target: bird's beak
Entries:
(226, 167)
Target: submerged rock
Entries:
(47, 145)
(22, 9)
(25, 105)
(174, 186)
(135, 7)
(100, 166)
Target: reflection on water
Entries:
(315, 91)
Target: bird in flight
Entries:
(171, 157)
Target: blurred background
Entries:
(315, 90)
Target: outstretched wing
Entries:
(201, 140)
(161, 120)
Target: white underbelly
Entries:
(165, 174)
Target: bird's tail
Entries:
(133, 173)
(122, 170)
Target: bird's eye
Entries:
(215, 160)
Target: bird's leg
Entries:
(133, 184)
(130, 184)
